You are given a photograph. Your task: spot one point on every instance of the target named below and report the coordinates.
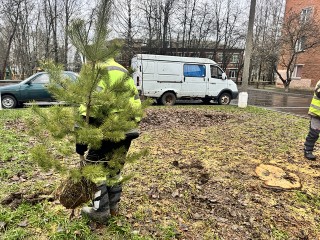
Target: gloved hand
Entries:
(317, 90)
(133, 133)
(81, 148)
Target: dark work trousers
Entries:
(110, 196)
(313, 135)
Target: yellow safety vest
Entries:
(116, 72)
(314, 108)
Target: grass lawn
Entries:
(197, 182)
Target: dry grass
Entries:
(198, 181)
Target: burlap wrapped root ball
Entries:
(72, 194)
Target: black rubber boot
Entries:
(100, 212)
(309, 155)
(114, 193)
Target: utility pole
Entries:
(243, 96)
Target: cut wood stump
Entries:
(277, 178)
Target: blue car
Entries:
(30, 89)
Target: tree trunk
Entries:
(55, 37)
(14, 24)
(248, 49)
(67, 16)
(286, 87)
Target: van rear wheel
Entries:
(168, 99)
(224, 99)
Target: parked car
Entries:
(30, 89)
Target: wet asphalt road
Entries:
(293, 103)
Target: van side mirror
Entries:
(224, 76)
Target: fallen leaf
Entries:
(23, 223)
(175, 193)
(3, 226)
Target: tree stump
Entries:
(277, 178)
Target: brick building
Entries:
(306, 71)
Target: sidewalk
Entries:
(295, 101)
(293, 91)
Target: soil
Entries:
(199, 180)
(206, 184)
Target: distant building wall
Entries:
(308, 61)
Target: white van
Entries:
(168, 78)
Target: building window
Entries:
(210, 56)
(220, 57)
(232, 73)
(235, 58)
(305, 14)
(300, 44)
(297, 71)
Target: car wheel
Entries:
(168, 99)
(224, 99)
(8, 101)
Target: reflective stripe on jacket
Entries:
(116, 72)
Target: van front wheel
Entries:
(168, 99)
(224, 99)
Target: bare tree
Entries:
(267, 32)
(167, 9)
(126, 17)
(217, 27)
(249, 43)
(148, 7)
(184, 20)
(11, 13)
(21, 52)
(39, 31)
(232, 35)
(204, 25)
(53, 10)
(228, 31)
(70, 8)
(299, 34)
(191, 22)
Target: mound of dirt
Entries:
(184, 118)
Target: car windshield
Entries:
(31, 77)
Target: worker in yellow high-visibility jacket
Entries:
(314, 128)
(105, 200)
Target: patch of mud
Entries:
(13, 200)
